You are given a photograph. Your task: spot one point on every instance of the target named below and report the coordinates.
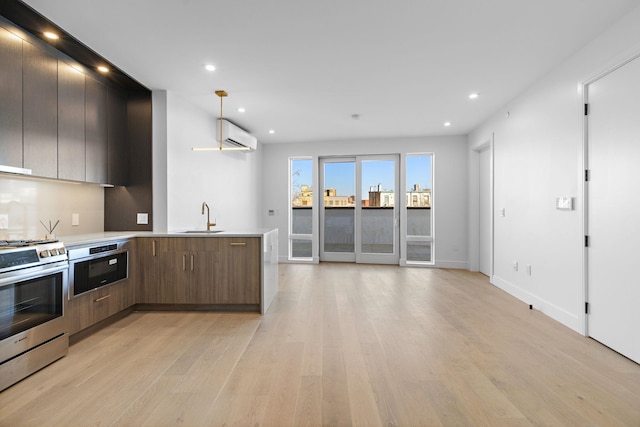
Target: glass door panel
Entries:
(337, 239)
(377, 213)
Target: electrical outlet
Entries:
(4, 222)
(515, 265)
(75, 219)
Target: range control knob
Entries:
(44, 254)
(61, 251)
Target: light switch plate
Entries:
(142, 218)
(564, 203)
(75, 219)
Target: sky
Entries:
(341, 175)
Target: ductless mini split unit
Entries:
(235, 137)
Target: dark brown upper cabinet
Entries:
(40, 111)
(71, 152)
(95, 127)
(10, 99)
(117, 143)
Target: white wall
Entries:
(538, 156)
(27, 201)
(227, 180)
(450, 185)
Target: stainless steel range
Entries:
(33, 302)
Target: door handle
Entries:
(184, 262)
(191, 262)
(238, 243)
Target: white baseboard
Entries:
(452, 264)
(286, 260)
(568, 319)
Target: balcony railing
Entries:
(377, 231)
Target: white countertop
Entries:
(87, 239)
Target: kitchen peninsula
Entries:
(219, 270)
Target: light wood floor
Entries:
(342, 345)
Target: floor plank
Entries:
(342, 344)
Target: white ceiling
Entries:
(305, 67)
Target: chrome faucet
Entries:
(209, 223)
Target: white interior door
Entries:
(484, 180)
(614, 210)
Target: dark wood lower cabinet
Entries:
(92, 307)
(193, 270)
(237, 273)
(174, 272)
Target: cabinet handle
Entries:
(153, 248)
(184, 262)
(191, 262)
(102, 298)
(238, 243)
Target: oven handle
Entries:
(16, 276)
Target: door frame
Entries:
(474, 203)
(584, 158)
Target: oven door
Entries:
(32, 308)
(101, 270)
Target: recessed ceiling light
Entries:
(241, 110)
(272, 131)
(210, 67)
(447, 124)
(50, 35)
(473, 95)
(103, 69)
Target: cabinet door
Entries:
(147, 270)
(238, 276)
(206, 258)
(117, 144)
(95, 115)
(40, 121)
(10, 99)
(174, 277)
(71, 149)
(163, 271)
(90, 308)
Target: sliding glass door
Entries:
(359, 213)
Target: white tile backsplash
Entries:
(27, 201)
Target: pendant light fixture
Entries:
(221, 94)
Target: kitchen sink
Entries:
(203, 231)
